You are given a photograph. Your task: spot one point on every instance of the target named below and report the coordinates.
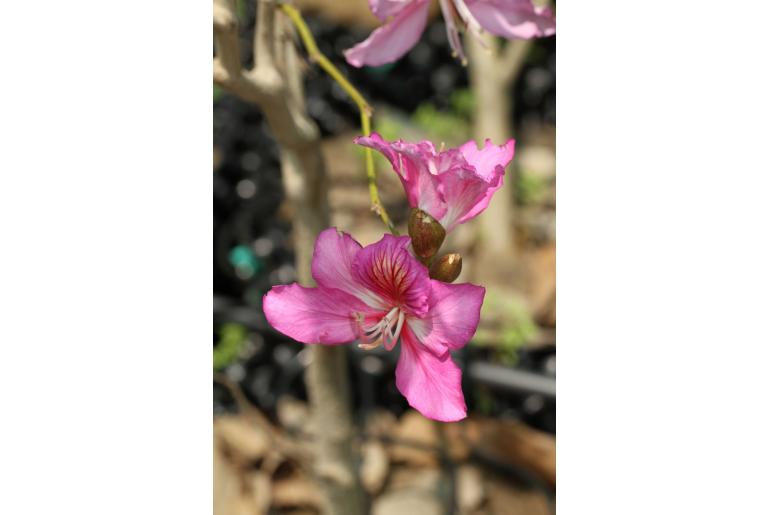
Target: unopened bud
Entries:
(447, 268)
(426, 233)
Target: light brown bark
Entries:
(493, 70)
(275, 85)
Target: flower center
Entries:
(386, 331)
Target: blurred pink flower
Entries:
(453, 185)
(404, 22)
(378, 294)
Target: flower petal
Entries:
(313, 315)
(394, 39)
(431, 385)
(513, 19)
(489, 157)
(415, 164)
(332, 266)
(452, 319)
(467, 194)
(390, 271)
(384, 9)
(452, 186)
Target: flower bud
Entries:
(446, 268)
(426, 233)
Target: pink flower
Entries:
(378, 294)
(453, 185)
(404, 22)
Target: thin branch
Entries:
(512, 59)
(263, 84)
(363, 106)
(264, 36)
(227, 65)
(316, 55)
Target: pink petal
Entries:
(389, 270)
(332, 265)
(467, 194)
(415, 164)
(453, 317)
(513, 19)
(376, 142)
(313, 315)
(384, 9)
(430, 384)
(394, 39)
(486, 160)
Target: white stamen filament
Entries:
(470, 21)
(383, 331)
(451, 31)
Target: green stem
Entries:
(363, 106)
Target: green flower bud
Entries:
(446, 268)
(426, 233)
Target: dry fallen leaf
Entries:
(231, 495)
(296, 491)
(517, 443)
(242, 441)
(374, 469)
(407, 503)
(413, 428)
(469, 488)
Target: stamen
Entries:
(386, 331)
(399, 325)
(470, 21)
(451, 31)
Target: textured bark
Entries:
(275, 84)
(492, 72)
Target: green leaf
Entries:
(232, 338)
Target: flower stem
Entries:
(363, 106)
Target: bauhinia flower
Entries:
(452, 185)
(381, 294)
(404, 23)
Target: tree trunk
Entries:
(491, 120)
(275, 85)
(492, 71)
(326, 377)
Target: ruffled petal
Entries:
(394, 39)
(513, 19)
(467, 194)
(332, 266)
(415, 164)
(390, 271)
(489, 157)
(452, 186)
(313, 315)
(452, 319)
(430, 384)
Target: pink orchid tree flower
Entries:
(452, 185)
(405, 20)
(379, 294)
